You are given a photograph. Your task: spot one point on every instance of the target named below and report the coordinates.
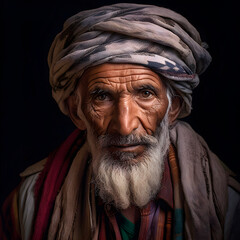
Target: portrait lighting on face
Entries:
(125, 109)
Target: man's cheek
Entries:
(152, 118)
(97, 124)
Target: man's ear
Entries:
(72, 109)
(175, 109)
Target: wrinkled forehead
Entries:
(117, 72)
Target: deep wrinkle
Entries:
(114, 97)
(111, 90)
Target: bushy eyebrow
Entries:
(148, 87)
(95, 91)
(98, 90)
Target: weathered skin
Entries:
(121, 99)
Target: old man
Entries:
(124, 74)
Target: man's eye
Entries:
(146, 94)
(102, 97)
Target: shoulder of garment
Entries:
(26, 197)
(33, 169)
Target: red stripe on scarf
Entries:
(51, 179)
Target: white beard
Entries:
(125, 184)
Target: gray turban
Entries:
(155, 37)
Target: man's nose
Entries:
(125, 118)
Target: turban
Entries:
(155, 37)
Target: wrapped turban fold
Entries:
(154, 37)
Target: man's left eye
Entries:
(146, 94)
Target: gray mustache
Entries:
(132, 139)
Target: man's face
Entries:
(121, 99)
(123, 107)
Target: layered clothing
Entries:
(58, 199)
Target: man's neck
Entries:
(132, 214)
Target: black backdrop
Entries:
(31, 125)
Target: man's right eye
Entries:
(101, 97)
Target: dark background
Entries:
(31, 125)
